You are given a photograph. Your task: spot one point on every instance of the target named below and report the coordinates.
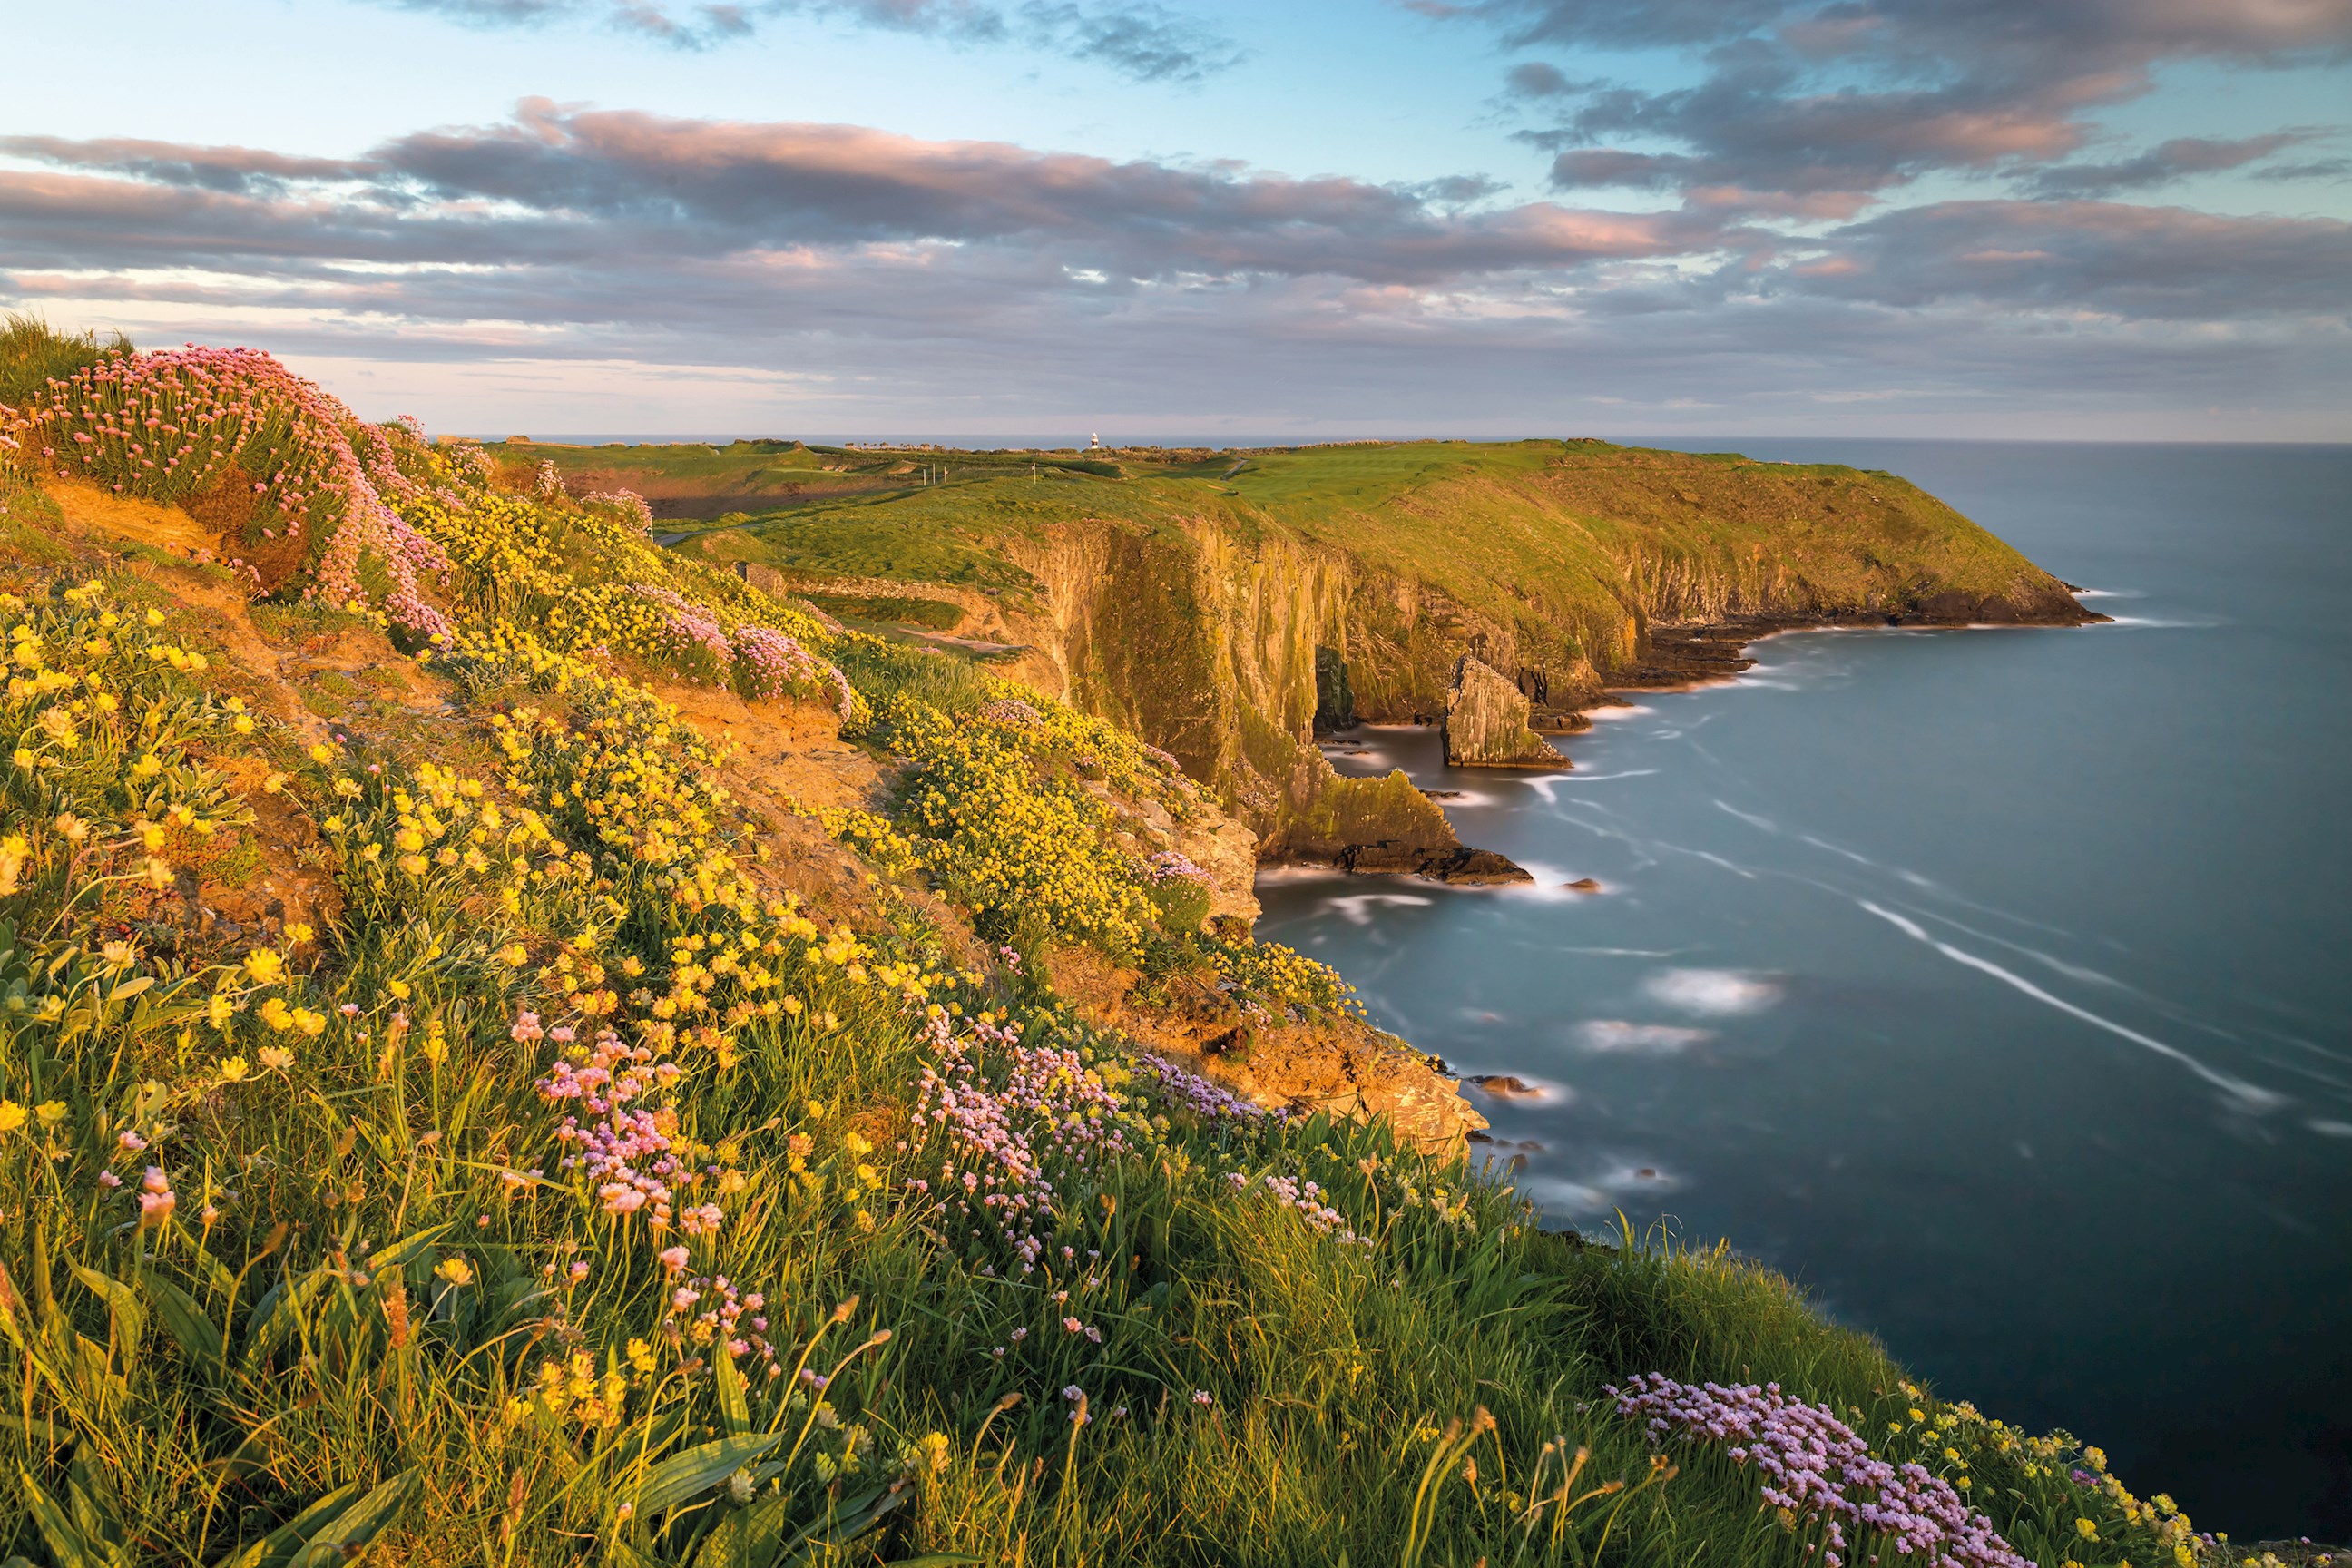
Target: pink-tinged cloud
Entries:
(982, 275)
(771, 184)
(2144, 262)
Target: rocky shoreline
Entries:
(1490, 721)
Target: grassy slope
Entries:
(356, 1330)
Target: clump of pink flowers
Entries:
(713, 1309)
(1307, 1199)
(1169, 865)
(999, 1135)
(1191, 1091)
(772, 664)
(1009, 710)
(691, 626)
(170, 427)
(1815, 1466)
(632, 506)
(623, 1150)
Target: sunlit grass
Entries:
(555, 1188)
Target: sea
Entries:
(1995, 984)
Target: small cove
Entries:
(1992, 983)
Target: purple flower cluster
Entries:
(1189, 1091)
(623, 1152)
(1169, 865)
(1000, 1140)
(1814, 1464)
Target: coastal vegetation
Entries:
(518, 1047)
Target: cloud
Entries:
(982, 282)
(722, 186)
(2140, 262)
(2162, 164)
(233, 169)
(1138, 39)
(1845, 102)
(1149, 43)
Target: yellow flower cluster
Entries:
(1029, 851)
(1956, 1439)
(580, 579)
(615, 771)
(1278, 977)
(568, 1389)
(108, 737)
(873, 836)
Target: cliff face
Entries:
(1486, 722)
(1227, 622)
(1209, 647)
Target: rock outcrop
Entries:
(1486, 722)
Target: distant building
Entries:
(1094, 443)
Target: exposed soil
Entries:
(1342, 1067)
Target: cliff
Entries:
(1228, 608)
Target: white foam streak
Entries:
(1764, 823)
(1718, 992)
(1356, 908)
(1615, 1037)
(2251, 1098)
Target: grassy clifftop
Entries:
(517, 1048)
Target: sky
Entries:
(1191, 219)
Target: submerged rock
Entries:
(1486, 722)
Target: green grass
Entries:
(380, 1318)
(32, 353)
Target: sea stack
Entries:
(1486, 722)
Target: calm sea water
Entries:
(1997, 984)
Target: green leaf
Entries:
(732, 1406)
(69, 1546)
(398, 1254)
(272, 1550)
(130, 988)
(684, 1476)
(185, 1321)
(357, 1525)
(121, 1305)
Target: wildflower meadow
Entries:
(440, 1129)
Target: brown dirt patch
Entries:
(295, 882)
(94, 513)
